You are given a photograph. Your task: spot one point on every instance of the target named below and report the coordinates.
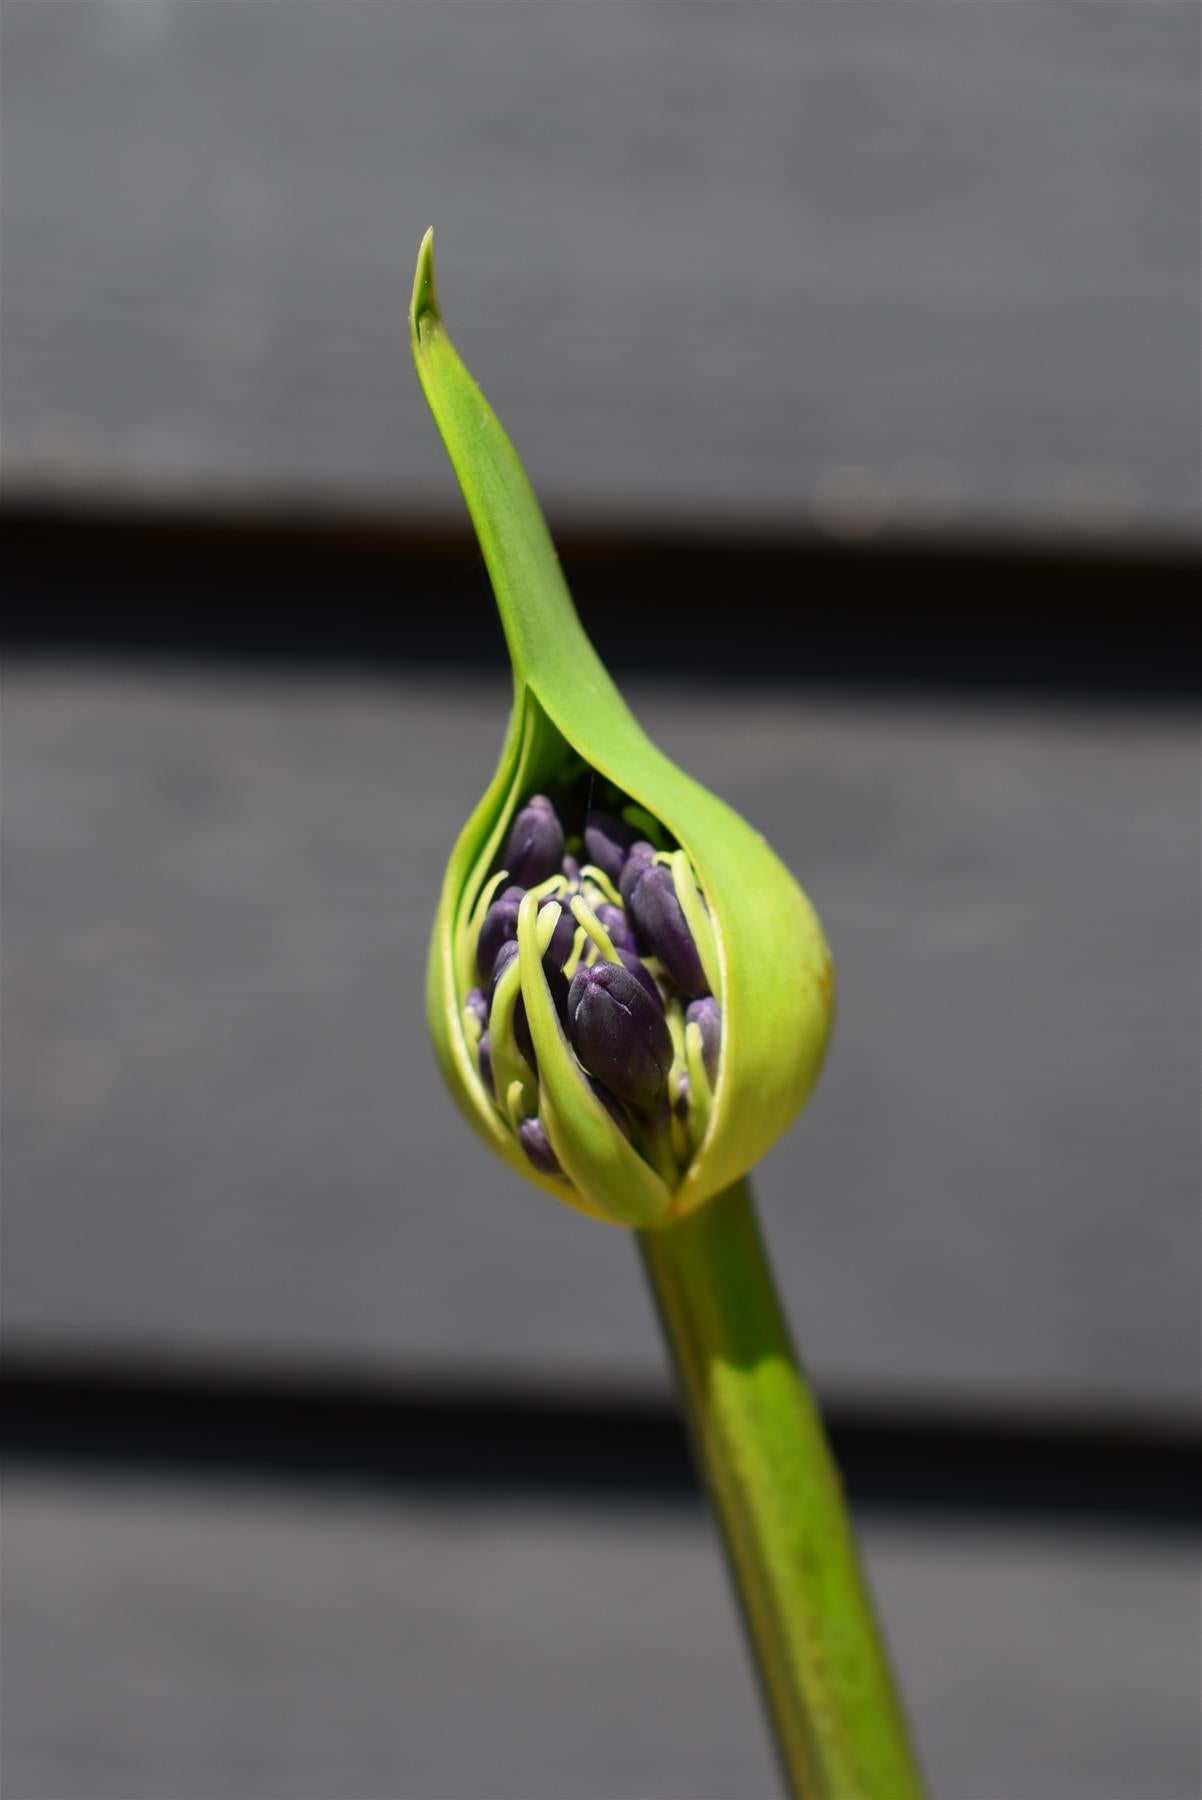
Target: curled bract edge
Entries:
(768, 966)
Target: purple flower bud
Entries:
(477, 1005)
(500, 927)
(637, 863)
(618, 926)
(619, 1034)
(557, 981)
(534, 849)
(537, 1145)
(505, 956)
(521, 1024)
(707, 1016)
(571, 868)
(607, 842)
(562, 938)
(484, 1057)
(641, 973)
(662, 930)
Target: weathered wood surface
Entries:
(161, 1642)
(225, 1135)
(833, 267)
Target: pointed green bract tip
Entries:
(423, 307)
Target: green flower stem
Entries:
(763, 1453)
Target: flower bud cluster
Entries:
(624, 971)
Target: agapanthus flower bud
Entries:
(560, 947)
(707, 1016)
(500, 927)
(534, 848)
(648, 1106)
(607, 842)
(662, 929)
(619, 1035)
(634, 964)
(504, 957)
(520, 1024)
(534, 1141)
(618, 926)
(640, 859)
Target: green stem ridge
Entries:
(763, 1454)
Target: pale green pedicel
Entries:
(756, 1430)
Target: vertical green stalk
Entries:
(764, 1456)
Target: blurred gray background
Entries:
(850, 273)
(834, 265)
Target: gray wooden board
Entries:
(224, 1133)
(225, 1646)
(831, 267)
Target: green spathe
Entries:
(774, 976)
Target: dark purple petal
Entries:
(477, 1005)
(557, 981)
(500, 927)
(619, 1034)
(707, 1015)
(662, 931)
(641, 973)
(521, 1024)
(534, 848)
(562, 938)
(637, 863)
(484, 1058)
(607, 843)
(618, 926)
(537, 1145)
(505, 956)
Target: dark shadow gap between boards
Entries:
(310, 1431)
(1076, 618)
